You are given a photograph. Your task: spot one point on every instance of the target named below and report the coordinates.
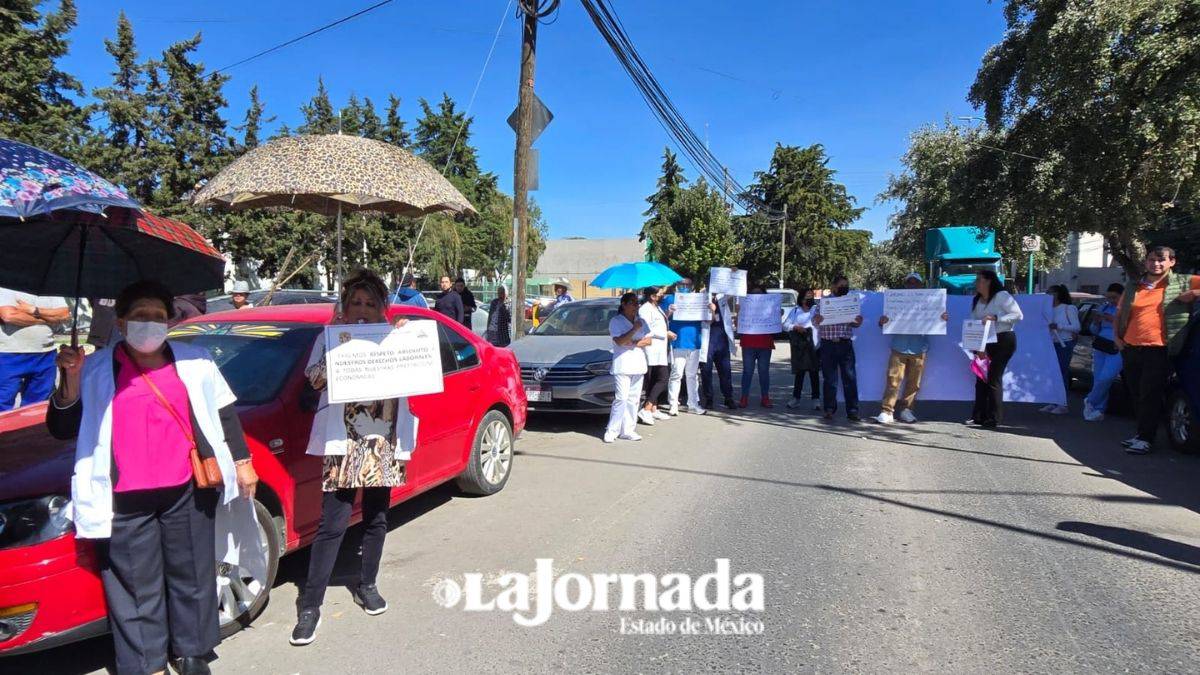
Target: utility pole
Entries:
(783, 245)
(529, 9)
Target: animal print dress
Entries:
(370, 459)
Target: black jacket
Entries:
(450, 303)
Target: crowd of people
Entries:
(1136, 332)
(161, 456)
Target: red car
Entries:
(50, 591)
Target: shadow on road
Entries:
(1142, 541)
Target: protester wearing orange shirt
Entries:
(1150, 323)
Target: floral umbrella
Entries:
(34, 182)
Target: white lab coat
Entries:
(725, 304)
(328, 435)
(237, 537)
(656, 328)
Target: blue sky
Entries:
(855, 75)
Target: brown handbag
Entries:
(205, 470)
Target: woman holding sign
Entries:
(756, 354)
(1064, 329)
(364, 445)
(657, 354)
(993, 304)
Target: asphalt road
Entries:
(935, 547)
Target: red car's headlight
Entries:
(33, 521)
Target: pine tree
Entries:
(251, 126)
(670, 185)
(369, 123)
(122, 149)
(350, 117)
(393, 127)
(437, 133)
(35, 96)
(318, 113)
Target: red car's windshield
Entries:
(255, 358)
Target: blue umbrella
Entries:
(636, 275)
(34, 182)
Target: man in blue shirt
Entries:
(906, 365)
(408, 294)
(685, 354)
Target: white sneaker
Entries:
(646, 417)
(907, 416)
(1093, 416)
(630, 437)
(697, 411)
(660, 415)
(884, 418)
(610, 438)
(1047, 408)
(794, 403)
(1087, 408)
(673, 411)
(1138, 447)
(817, 405)
(1130, 441)
(1060, 410)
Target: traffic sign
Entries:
(541, 118)
(1031, 244)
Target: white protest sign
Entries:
(727, 281)
(759, 314)
(977, 335)
(914, 311)
(374, 361)
(692, 307)
(844, 309)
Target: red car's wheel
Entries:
(241, 597)
(491, 457)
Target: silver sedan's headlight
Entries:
(599, 367)
(33, 521)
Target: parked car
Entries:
(1183, 394)
(787, 303)
(282, 296)
(50, 591)
(565, 361)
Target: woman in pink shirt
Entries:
(138, 408)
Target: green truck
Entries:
(955, 254)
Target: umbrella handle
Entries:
(83, 234)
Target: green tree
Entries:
(393, 127)
(436, 137)
(880, 267)
(251, 125)
(318, 113)
(669, 185)
(350, 118)
(369, 124)
(36, 104)
(696, 232)
(818, 211)
(1096, 112)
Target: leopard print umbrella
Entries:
(320, 173)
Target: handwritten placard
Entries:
(692, 307)
(760, 314)
(840, 309)
(374, 361)
(727, 281)
(914, 311)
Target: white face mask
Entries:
(145, 336)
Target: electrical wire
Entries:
(306, 35)
(466, 118)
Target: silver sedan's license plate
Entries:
(539, 394)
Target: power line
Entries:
(306, 35)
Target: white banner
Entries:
(1032, 375)
(692, 307)
(844, 309)
(914, 311)
(374, 361)
(760, 314)
(727, 281)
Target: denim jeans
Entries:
(753, 357)
(837, 358)
(1064, 352)
(1105, 369)
(718, 358)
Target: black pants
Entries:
(837, 360)
(814, 379)
(656, 383)
(989, 396)
(159, 574)
(335, 517)
(1146, 371)
(718, 358)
